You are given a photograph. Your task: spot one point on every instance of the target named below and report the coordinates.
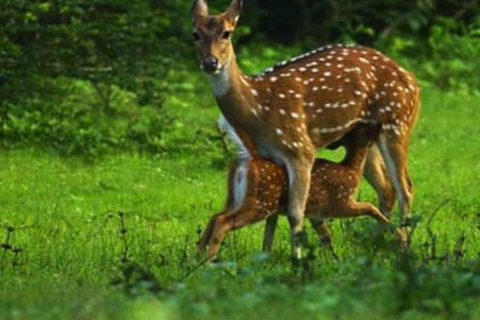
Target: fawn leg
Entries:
(227, 222)
(376, 174)
(357, 209)
(270, 226)
(207, 234)
(324, 235)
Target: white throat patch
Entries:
(221, 81)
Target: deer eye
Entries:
(226, 34)
(196, 36)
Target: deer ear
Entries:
(233, 12)
(199, 9)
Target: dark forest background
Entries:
(86, 77)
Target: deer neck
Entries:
(355, 158)
(233, 92)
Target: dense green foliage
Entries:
(92, 77)
(116, 83)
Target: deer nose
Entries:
(210, 63)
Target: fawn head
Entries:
(364, 135)
(212, 35)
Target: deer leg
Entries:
(376, 174)
(324, 235)
(409, 181)
(299, 185)
(207, 234)
(227, 222)
(357, 209)
(394, 153)
(270, 226)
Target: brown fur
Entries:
(289, 111)
(332, 193)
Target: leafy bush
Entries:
(80, 122)
(448, 59)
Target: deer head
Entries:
(212, 35)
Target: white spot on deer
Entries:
(244, 81)
(278, 131)
(327, 74)
(281, 96)
(282, 112)
(254, 92)
(294, 115)
(273, 79)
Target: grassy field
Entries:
(62, 218)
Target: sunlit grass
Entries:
(65, 216)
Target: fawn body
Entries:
(258, 189)
(298, 106)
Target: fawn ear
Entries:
(199, 9)
(233, 12)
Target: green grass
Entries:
(65, 218)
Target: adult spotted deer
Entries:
(257, 189)
(298, 106)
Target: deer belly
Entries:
(333, 123)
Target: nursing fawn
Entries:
(303, 104)
(258, 188)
